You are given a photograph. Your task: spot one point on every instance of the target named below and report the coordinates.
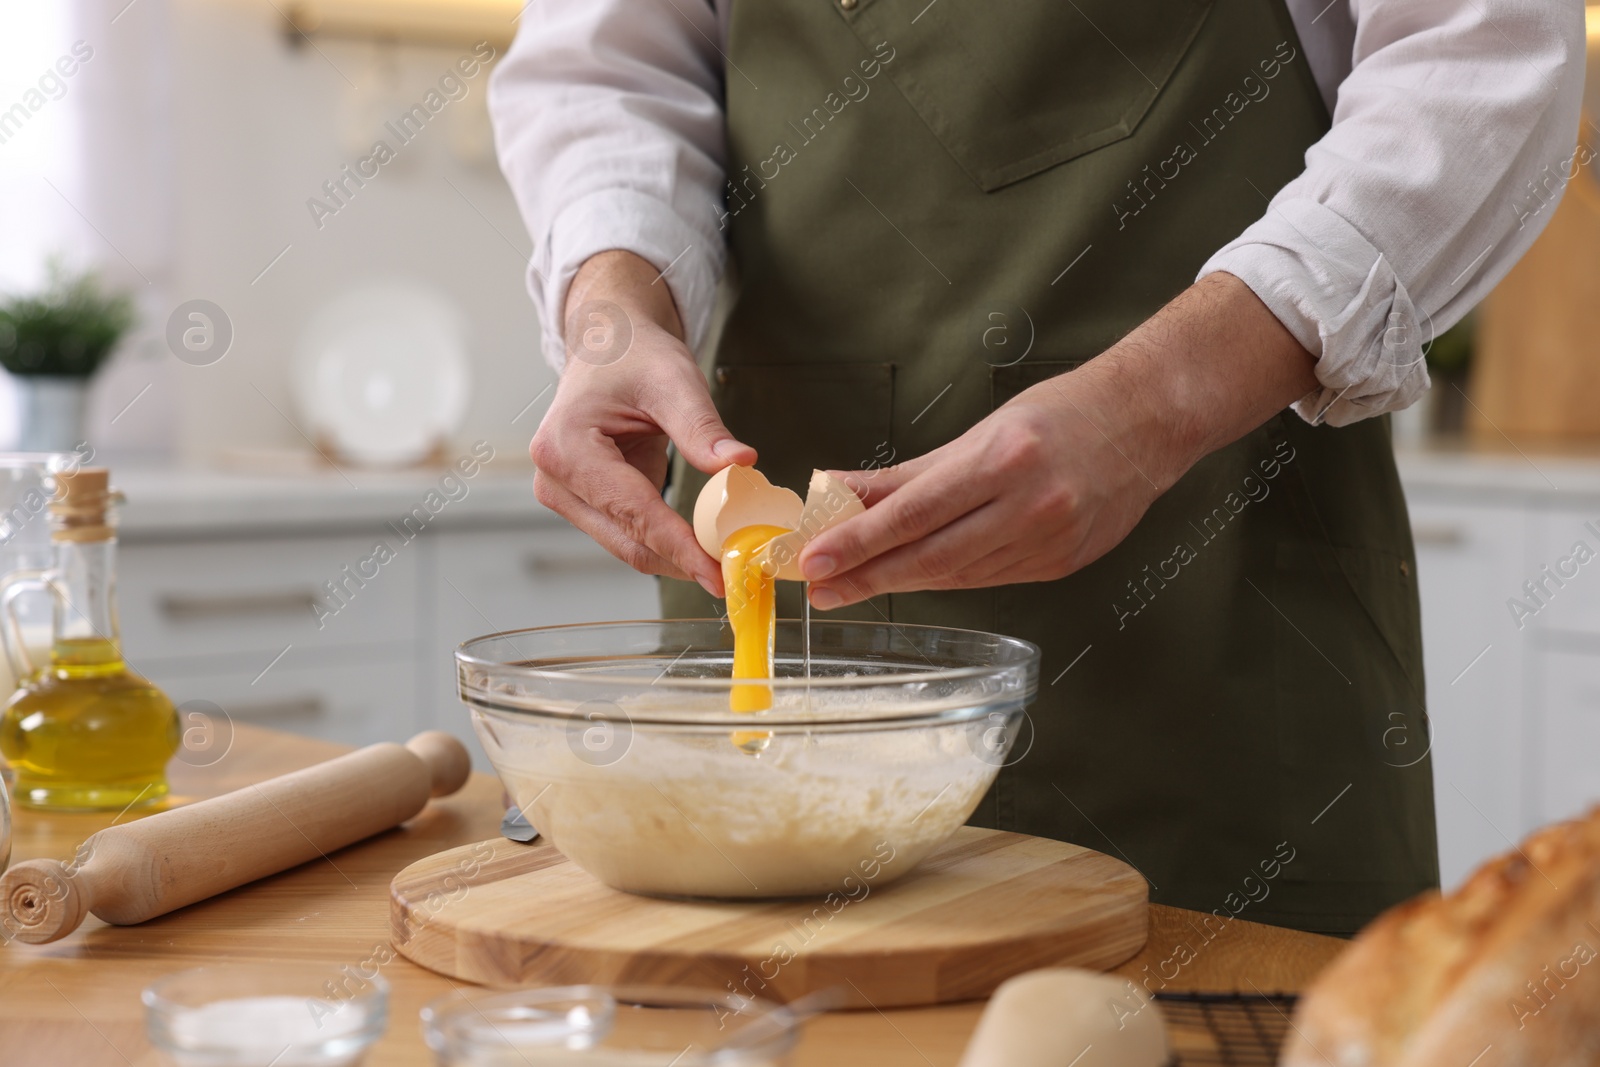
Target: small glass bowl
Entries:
(256, 1014)
(596, 1026)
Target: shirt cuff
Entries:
(1339, 296)
(633, 222)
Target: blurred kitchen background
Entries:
(178, 161)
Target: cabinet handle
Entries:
(536, 565)
(1438, 535)
(181, 608)
(306, 707)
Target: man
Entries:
(1068, 264)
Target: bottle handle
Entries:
(12, 586)
(5, 826)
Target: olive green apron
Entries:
(933, 206)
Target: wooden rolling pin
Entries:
(133, 872)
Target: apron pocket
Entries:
(1006, 381)
(801, 416)
(1015, 87)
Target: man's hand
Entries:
(629, 385)
(1058, 476)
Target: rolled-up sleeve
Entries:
(1452, 140)
(608, 123)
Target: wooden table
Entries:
(77, 1001)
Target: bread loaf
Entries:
(1502, 972)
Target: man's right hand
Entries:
(629, 385)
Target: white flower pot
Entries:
(51, 409)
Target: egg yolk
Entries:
(752, 608)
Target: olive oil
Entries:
(88, 733)
(83, 732)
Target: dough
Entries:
(1066, 1017)
(686, 813)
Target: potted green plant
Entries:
(1450, 366)
(53, 341)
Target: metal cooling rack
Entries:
(1226, 1029)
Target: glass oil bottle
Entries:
(83, 732)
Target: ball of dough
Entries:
(1068, 1018)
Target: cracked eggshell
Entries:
(829, 501)
(737, 497)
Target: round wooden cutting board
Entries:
(983, 907)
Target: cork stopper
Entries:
(81, 507)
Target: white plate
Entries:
(381, 373)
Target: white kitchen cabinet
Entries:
(220, 575)
(1564, 684)
(1567, 689)
(1515, 737)
(354, 702)
(1568, 588)
(491, 580)
(238, 598)
(1469, 557)
(485, 581)
(203, 618)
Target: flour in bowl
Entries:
(682, 811)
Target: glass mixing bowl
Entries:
(617, 742)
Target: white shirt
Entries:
(1454, 124)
